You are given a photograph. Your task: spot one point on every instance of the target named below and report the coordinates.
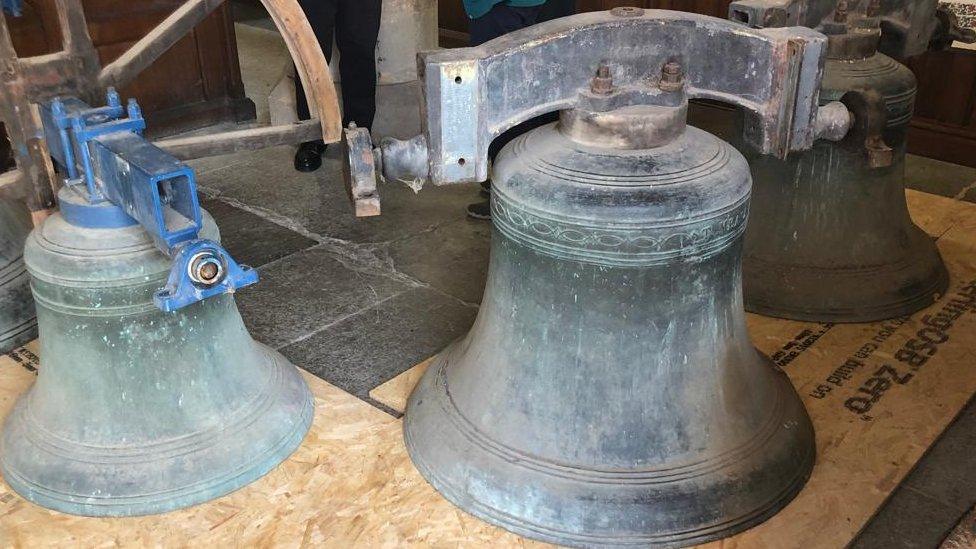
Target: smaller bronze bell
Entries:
(830, 237)
(18, 324)
(137, 411)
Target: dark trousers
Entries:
(355, 24)
(501, 20)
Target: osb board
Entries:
(352, 484)
(862, 454)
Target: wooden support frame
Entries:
(186, 148)
(147, 49)
(24, 83)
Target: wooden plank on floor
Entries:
(352, 484)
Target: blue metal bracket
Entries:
(108, 162)
(202, 269)
(13, 7)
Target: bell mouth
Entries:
(634, 127)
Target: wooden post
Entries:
(169, 31)
(187, 148)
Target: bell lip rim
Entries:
(535, 531)
(174, 500)
(933, 292)
(541, 533)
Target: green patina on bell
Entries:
(830, 237)
(137, 411)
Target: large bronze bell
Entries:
(608, 392)
(134, 410)
(830, 237)
(18, 324)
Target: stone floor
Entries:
(357, 301)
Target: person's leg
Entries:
(357, 24)
(554, 9)
(321, 15)
(501, 20)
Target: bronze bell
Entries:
(830, 237)
(135, 410)
(608, 392)
(18, 324)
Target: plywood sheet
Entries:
(352, 484)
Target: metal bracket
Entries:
(106, 159)
(105, 151)
(870, 119)
(359, 171)
(202, 269)
(908, 27)
(472, 95)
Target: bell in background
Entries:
(608, 392)
(830, 237)
(18, 324)
(136, 411)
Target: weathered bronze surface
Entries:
(136, 411)
(608, 393)
(830, 237)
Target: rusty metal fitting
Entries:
(206, 269)
(602, 83)
(672, 76)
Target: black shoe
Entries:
(480, 210)
(308, 158)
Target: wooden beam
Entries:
(188, 148)
(309, 62)
(142, 54)
(23, 129)
(74, 29)
(11, 184)
(80, 71)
